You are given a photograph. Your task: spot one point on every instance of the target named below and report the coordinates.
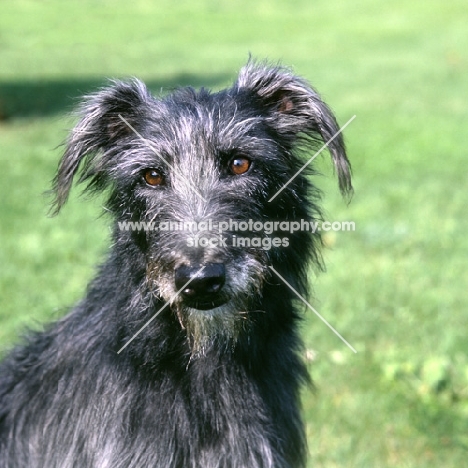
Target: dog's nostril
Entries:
(206, 282)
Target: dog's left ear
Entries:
(106, 118)
(295, 110)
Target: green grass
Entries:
(396, 288)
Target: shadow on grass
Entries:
(49, 97)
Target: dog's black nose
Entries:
(205, 283)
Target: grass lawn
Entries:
(396, 288)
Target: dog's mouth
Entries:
(207, 304)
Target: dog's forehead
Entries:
(219, 117)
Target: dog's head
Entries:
(196, 157)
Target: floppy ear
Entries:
(100, 127)
(296, 111)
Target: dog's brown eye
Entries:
(240, 165)
(153, 177)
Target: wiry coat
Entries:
(211, 388)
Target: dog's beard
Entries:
(220, 327)
(214, 328)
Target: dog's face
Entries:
(199, 167)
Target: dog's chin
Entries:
(211, 324)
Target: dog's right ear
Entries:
(106, 117)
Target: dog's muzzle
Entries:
(204, 290)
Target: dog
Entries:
(184, 351)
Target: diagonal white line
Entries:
(312, 158)
(148, 143)
(313, 310)
(160, 310)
